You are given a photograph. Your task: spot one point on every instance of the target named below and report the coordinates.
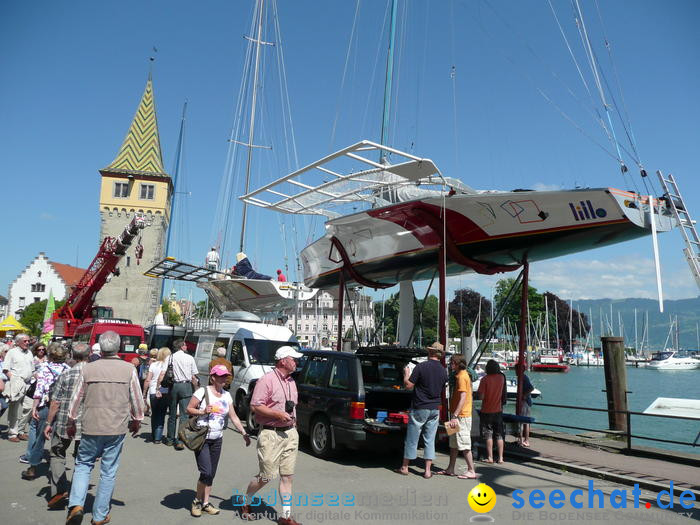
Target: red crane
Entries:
(79, 305)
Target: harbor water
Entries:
(583, 387)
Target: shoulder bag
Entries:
(191, 434)
(169, 377)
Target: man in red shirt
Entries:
(274, 403)
(280, 277)
(492, 392)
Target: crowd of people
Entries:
(91, 398)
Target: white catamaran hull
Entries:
(255, 295)
(494, 230)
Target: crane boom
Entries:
(79, 304)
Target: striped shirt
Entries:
(65, 385)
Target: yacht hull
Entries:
(496, 231)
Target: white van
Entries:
(250, 346)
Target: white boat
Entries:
(511, 387)
(669, 360)
(413, 209)
(586, 358)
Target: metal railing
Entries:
(628, 434)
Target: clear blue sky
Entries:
(73, 73)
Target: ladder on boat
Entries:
(690, 234)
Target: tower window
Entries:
(147, 191)
(128, 260)
(126, 293)
(121, 189)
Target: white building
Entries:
(40, 277)
(317, 319)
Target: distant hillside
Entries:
(687, 310)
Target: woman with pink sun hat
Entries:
(213, 405)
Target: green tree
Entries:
(454, 327)
(33, 316)
(387, 314)
(512, 312)
(465, 309)
(201, 310)
(170, 314)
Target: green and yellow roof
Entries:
(140, 153)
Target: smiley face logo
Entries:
(481, 498)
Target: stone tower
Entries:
(135, 182)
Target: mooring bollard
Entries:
(615, 382)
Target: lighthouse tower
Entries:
(135, 182)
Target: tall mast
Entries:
(176, 173)
(251, 130)
(387, 83)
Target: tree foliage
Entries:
(464, 308)
(171, 316)
(556, 313)
(33, 316)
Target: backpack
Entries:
(169, 377)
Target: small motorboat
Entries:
(671, 360)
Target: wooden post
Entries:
(615, 381)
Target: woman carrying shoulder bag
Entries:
(157, 393)
(212, 415)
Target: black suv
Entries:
(355, 400)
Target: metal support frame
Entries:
(341, 303)
(522, 347)
(495, 322)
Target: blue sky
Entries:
(73, 73)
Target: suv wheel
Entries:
(320, 437)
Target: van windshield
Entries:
(262, 352)
(130, 343)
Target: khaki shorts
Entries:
(462, 439)
(277, 452)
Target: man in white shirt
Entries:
(18, 367)
(212, 259)
(185, 377)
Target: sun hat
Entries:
(436, 346)
(287, 351)
(96, 347)
(219, 370)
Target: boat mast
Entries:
(176, 172)
(387, 84)
(251, 130)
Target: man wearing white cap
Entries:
(274, 404)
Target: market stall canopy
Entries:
(10, 324)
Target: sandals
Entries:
(399, 471)
(445, 473)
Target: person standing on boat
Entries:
(427, 380)
(212, 260)
(280, 276)
(461, 412)
(492, 392)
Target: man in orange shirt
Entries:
(461, 419)
(492, 392)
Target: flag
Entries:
(47, 327)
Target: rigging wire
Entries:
(593, 64)
(453, 78)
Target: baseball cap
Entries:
(143, 346)
(287, 351)
(219, 370)
(96, 347)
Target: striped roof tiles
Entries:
(140, 153)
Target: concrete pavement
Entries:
(155, 485)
